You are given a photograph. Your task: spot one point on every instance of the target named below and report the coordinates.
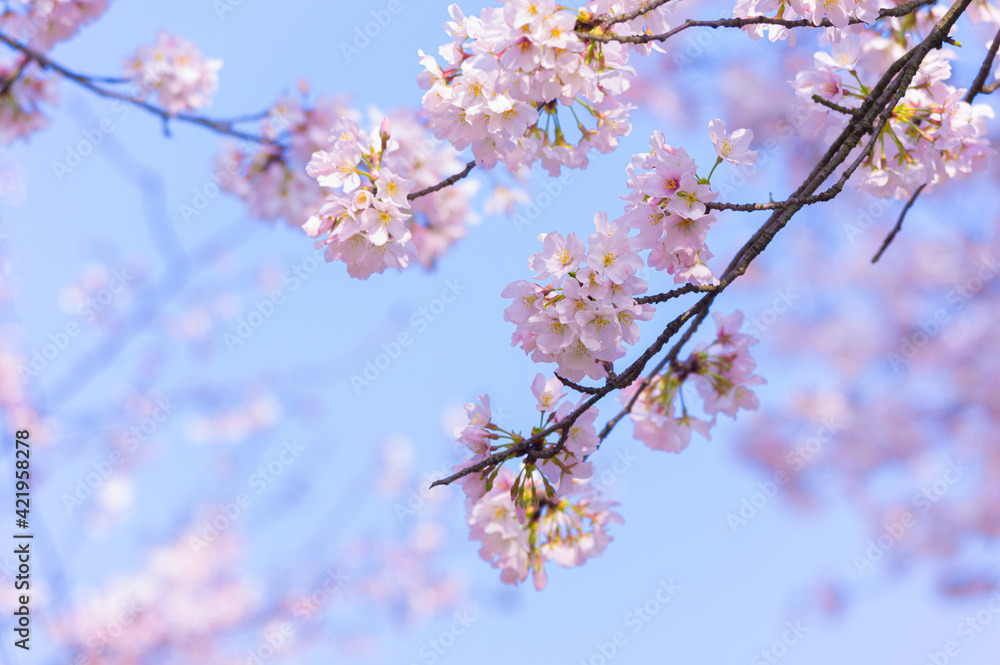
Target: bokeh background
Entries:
(341, 554)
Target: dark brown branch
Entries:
(447, 182)
(588, 390)
(899, 224)
(669, 358)
(984, 71)
(598, 35)
(644, 8)
(773, 205)
(836, 107)
(670, 295)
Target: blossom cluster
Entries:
(932, 136)
(21, 99)
(509, 71)
(44, 23)
(546, 511)
(270, 177)
(582, 317)
(567, 530)
(183, 79)
(367, 219)
(666, 204)
(722, 373)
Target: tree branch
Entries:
(447, 182)
(88, 82)
(576, 386)
(984, 71)
(598, 35)
(899, 224)
(670, 295)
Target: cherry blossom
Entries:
(22, 101)
(183, 79)
(510, 71)
(733, 147)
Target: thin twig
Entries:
(598, 35)
(899, 224)
(984, 71)
(577, 387)
(836, 107)
(644, 8)
(670, 295)
(447, 182)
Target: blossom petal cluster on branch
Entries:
(933, 135)
(183, 79)
(271, 177)
(547, 510)
(369, 220)
(509, 72)
(722, 373)
(838, 12)
(25, 89)
(581, 318)
(44, 23)
(23, 84)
